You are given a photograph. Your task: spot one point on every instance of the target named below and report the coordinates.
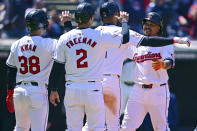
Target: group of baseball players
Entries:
(92, 60)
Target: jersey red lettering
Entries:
(24, 67)
(33, 67)
(81, 64)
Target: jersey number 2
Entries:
(33, 67)
(81, 64)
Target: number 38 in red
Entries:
(33, 67)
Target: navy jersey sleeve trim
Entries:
(156, 41)
(11, 77)
(10, 65)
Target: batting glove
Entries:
(182, 40)
(158, 64)
(9, 100)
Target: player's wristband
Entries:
(125, 32)
(124, 20)
(68, 26)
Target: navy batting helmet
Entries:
(155, 18)
(36, 19)
(84, 12)
(108, 9)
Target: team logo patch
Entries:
(146, 57)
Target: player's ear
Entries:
(92, 18)
(117, 13)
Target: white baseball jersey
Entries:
(83, 52)
(32, 56)
(115, 56)
(144, 72)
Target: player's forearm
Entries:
(11, 77)
(156, 41)
(125, 32)
(68, 26)
(57, 72)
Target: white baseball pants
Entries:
(111, 87)
(31, 107)
(84, 98)
(155, 101)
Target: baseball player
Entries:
(81, 52)
(113, 63)
(29, 65)
(151, 92)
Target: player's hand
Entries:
(182, 40)
(123, 16)
(65, 16)
(158, 64)
(54, 97)
(10, 101)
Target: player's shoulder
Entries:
(17, 43)
(14, 45)
(109, 28)
(168, 47)
(132, 47)
(50, 40)
(67, 34)
(134, 33)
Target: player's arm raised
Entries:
(124, 17)
(66, 19)
(162, 41)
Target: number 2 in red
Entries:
(81, 64)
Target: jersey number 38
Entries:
(30, 64)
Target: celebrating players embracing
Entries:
(81, 53)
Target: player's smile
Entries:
(147, 31)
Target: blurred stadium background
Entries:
(180, 19)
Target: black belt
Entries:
(79, 81)
(112, 75)
(32, 83)
(91, 81)
(151, 85)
